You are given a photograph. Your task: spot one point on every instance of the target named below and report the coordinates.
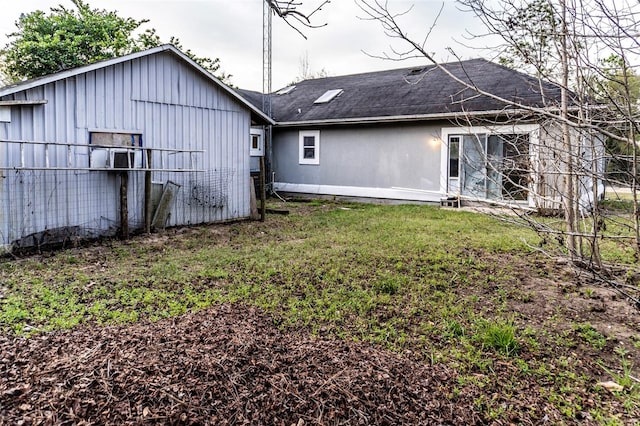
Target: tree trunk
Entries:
(569, 184)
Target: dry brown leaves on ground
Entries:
(225, 365)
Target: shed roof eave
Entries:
(30, 84)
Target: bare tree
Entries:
(562, 42)
(306, 72)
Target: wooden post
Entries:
(263, 192)
(124, 205)
(148, 214)
(252, 200)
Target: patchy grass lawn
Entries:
(441, 286)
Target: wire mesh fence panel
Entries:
(209, 189)
(45, 207)
(41, 207)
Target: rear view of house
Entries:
(418, 134)
(148, 139)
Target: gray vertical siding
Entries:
(159, 96)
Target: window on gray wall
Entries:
(309, 147)
(257, 142)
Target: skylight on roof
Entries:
(286, 90)
(328, 96)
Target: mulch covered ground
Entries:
(225, 365)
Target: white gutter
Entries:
(396, 118)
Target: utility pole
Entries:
(287, 10)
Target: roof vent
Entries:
(416, 71)
(328, 96)
(286, 90)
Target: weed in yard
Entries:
(604, 420)
(522, 365)
(14, 312)
(498, 335)
(590, 335)
(213, 273)
(624, 378)
(630, 395)
(621, 350)
(389, 283)
(453, 328)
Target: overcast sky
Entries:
(232, 31)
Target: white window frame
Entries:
(309, 133)
(533, 130)
(260, 151)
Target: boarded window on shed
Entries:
(115, 139)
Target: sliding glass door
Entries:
(491, 166)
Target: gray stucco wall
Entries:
(372, 156)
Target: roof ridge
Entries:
(391, 70)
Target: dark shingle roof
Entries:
(255, 98)
(409, 92)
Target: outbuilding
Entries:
(146, 140)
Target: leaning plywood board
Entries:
(167, 201)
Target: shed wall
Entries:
(159, 96)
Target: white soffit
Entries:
(328, 96)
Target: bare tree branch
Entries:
(564, 42)
(288, 11)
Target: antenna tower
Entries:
(267, 17)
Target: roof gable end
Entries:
(51, 78)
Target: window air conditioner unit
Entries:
(99, 158)
(122, 158)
